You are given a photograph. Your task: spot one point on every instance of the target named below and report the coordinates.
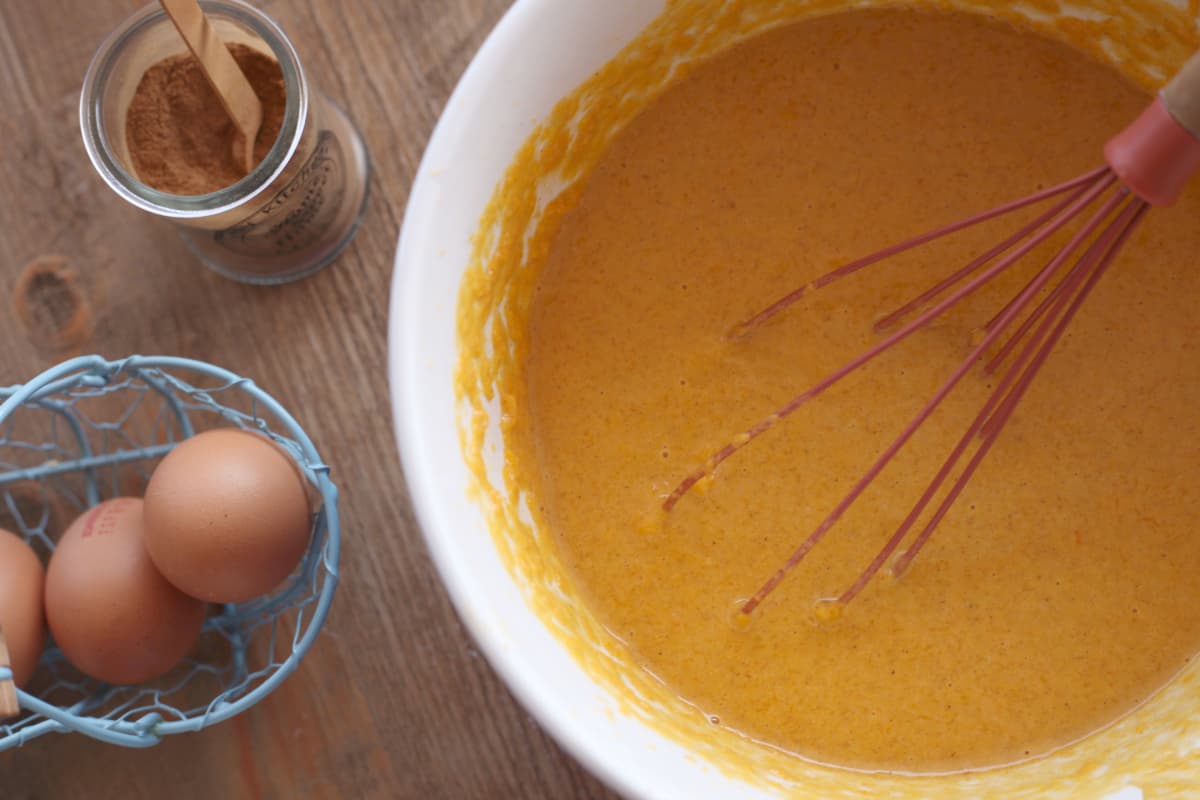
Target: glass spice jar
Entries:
(294, 212)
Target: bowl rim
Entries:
(628, 778)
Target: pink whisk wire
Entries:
(1100, 238)
(909, 244)
(1008, 393)
(1151, 161)
(1100, 180)
(1035, 355)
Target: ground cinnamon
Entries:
(180, 139)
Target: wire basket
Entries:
(91, 429)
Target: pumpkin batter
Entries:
(1060, 592)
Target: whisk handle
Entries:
(1182, 95)
(1159, 153)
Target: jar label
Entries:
(299, 216)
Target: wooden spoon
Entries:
(8, 690)
(222, 71)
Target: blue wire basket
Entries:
(92, 429)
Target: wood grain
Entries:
(393, 701)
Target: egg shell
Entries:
(115, 617)
(22, 579)
(227, 516)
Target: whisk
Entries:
(1147, 164)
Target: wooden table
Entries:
(393, 701)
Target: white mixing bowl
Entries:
(539, 53)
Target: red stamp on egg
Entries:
(101, 520)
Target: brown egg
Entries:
(114, 616)
(227, 516)
(21, 617)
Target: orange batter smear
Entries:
(1060, 593)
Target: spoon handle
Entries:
(228, 81)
